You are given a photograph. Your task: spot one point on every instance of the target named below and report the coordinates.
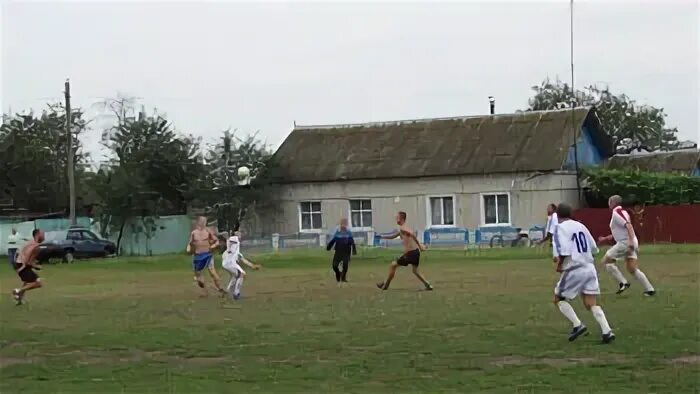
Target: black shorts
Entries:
(27, 274)
(409, 258)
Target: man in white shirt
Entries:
(230, 259)
(626, 247)
(552, 221)
(14, 241)
(573, 248)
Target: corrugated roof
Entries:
(679, 161)
(522, 142)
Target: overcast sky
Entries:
(262, 66)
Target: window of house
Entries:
(310, 215)
(361, 213)
(496, 208)
(442, 211)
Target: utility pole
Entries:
(71, 164)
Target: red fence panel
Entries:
(656, 223)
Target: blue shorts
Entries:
(200, 261)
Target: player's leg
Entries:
(633, 268)
(589, 292)
(392, 271)
(589, 301)
(232, 277)
(346, 265)
(239, 283)
(214, 275)
(336, 270)
(420, 277)
(567, 288)
(30, 281)
(617, 251)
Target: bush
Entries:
(641, 187)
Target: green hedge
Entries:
(644, 187)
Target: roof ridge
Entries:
(428, 120)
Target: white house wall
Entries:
(528, 199)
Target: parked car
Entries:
(75, 243)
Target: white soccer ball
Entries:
(243, 172)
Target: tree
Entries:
(33, 158)
(151, 171)
(630, 124)
(223, 196)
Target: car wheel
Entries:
(68, 257)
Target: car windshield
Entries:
(54, 235)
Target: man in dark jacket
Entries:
(344, 246)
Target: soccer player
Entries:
(203, 241)
(411, 256)
(344, 247)
(626, 247)
(25, 264)
(551, 222)
(230, 262)
(573, 248)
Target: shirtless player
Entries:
(411, 252)
(24, 265)
(203, 241)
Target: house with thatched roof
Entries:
(684, 161)
(467, 172)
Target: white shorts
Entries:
(621, 251)
(580, 279)
(231, 265)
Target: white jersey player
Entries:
(552, 221)
(573, 248)
(230, 262)
(626, 247)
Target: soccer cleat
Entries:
(429, 287)
(237, 296)
(650, 293)
(609, 337)
(577, 332)
(381, 286)
(623, 287)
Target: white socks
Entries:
(615, 272)
(643, 280)
(230, 284)
(237, 288)
(600, 318)
(569, 313)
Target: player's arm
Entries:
(392, 235)
(248, 263)
(630, 234)
(332, 241)
(560, 246)
(352, 243)
(213, 240)
(605, 239)
(190, 241)
(591, 243)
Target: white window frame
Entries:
(429, 216)
(312, 230)
(483, 209)
(371, 211)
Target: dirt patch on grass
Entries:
(554, 362)
(98, 357)
(10, 361)
(690, 359)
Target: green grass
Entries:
(136, 325)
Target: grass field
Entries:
(137, 326)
